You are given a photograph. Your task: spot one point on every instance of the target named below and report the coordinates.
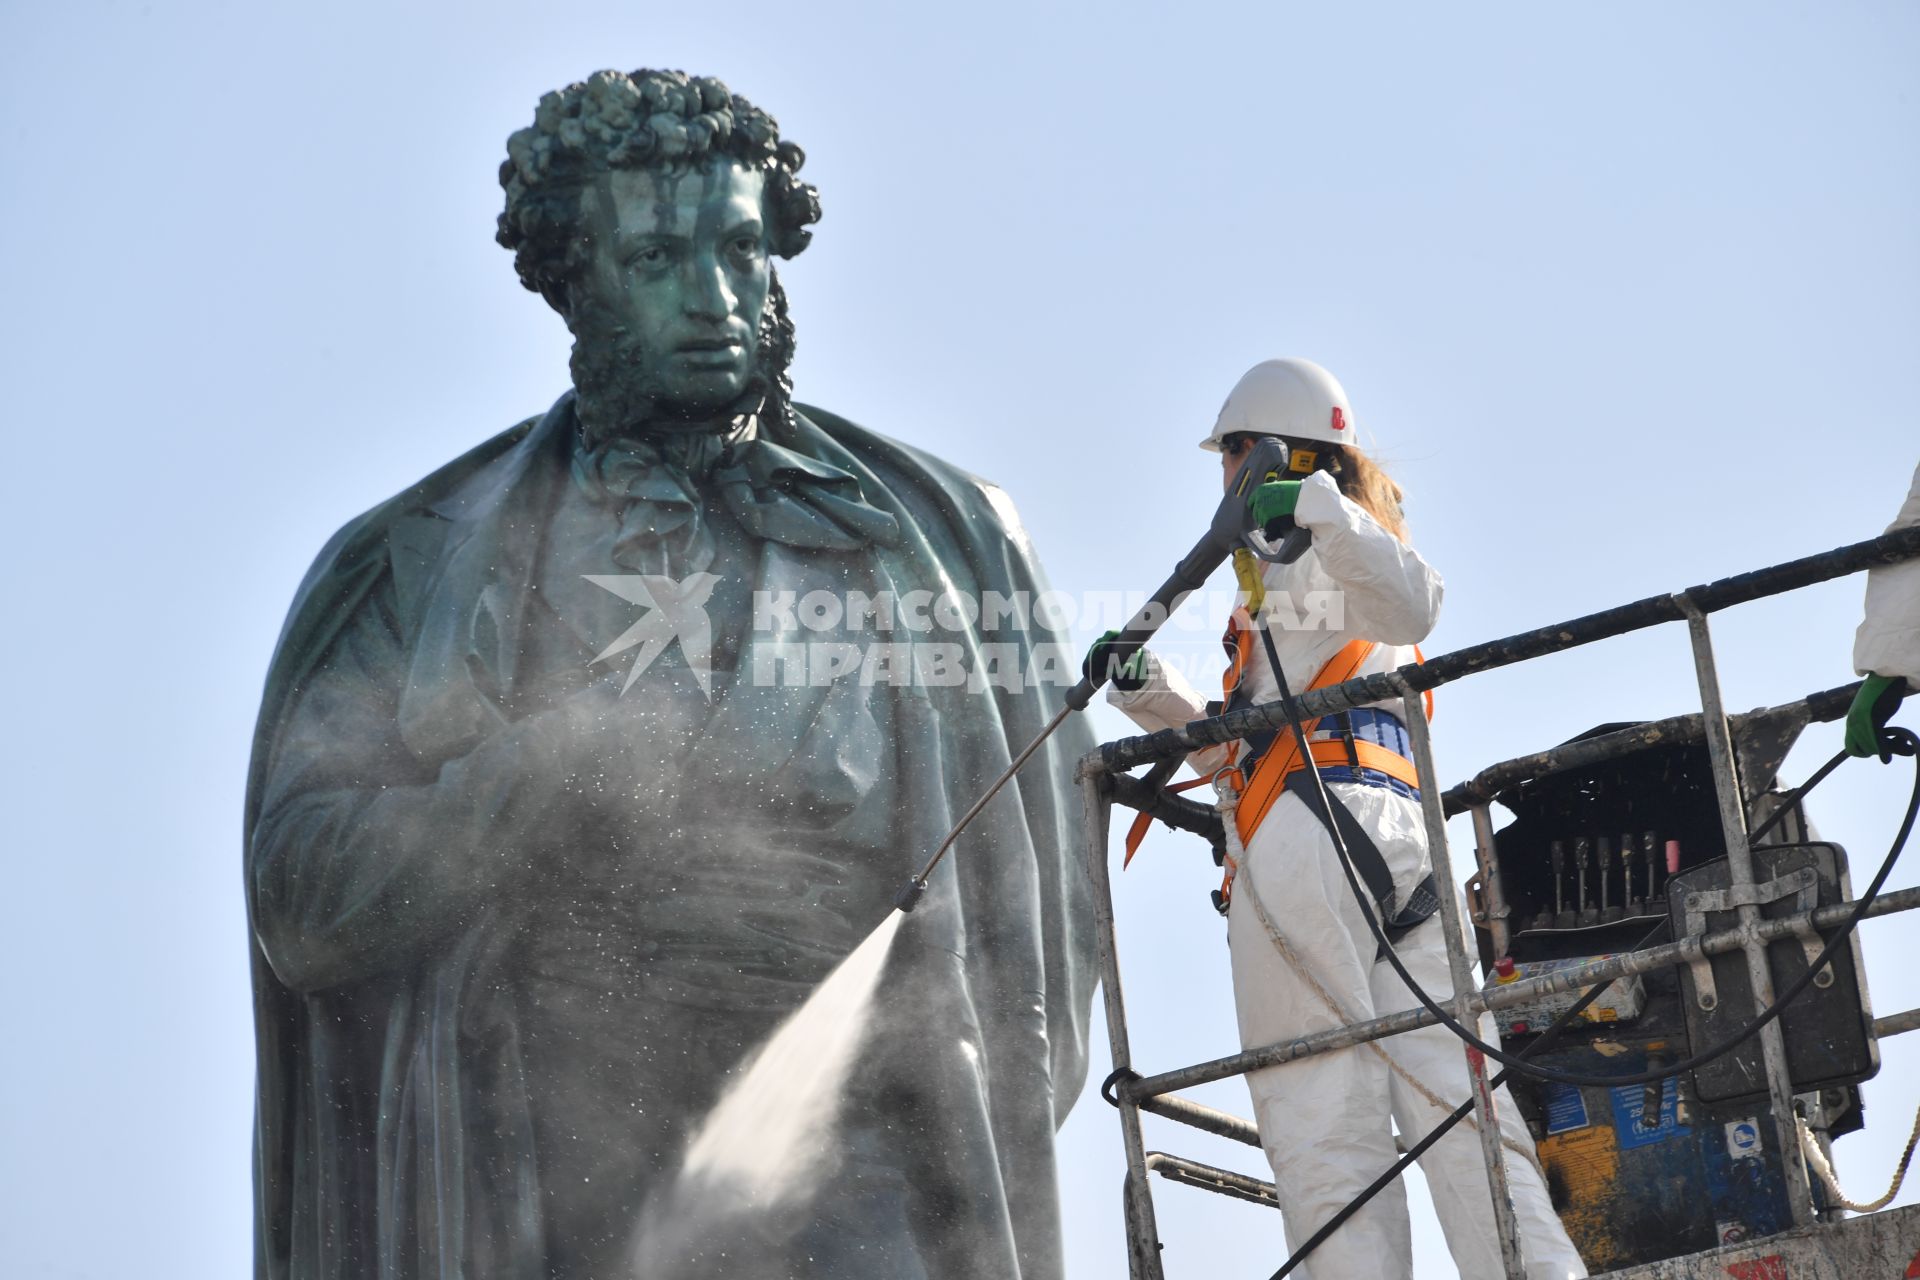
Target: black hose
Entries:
(1902, 741)
(1795, 796)
(1545, 1040)
(1559, 1025)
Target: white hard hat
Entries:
(1292, 398)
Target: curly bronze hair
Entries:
(643, 119)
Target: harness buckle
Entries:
(1345, 719)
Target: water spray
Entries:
(771, 1123)
(1231, 529)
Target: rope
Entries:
(1823, 1168)
(1340, 1012)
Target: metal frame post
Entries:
(1733, 831)
(1143, 1234)
(1104, 783)
(1414, 712)
(1493, 894)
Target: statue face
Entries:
(667, 314)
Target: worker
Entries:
(1304, 959)
(1886, 648)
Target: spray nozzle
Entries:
(909, 896)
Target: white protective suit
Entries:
(1888, 642)
(1324, 1120)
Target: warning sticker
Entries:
(1637, 1126)
(1743, 1139)
(1566, 1109)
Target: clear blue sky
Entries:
(1626, 293)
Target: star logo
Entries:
(675, 610)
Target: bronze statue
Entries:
(543, 835)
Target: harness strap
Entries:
(1279, 755)
(1283, 756)
(1365, 855)
(1143, 821)
(1353, 753)
(1259, 793)
(1368, 862)
(1283, 769)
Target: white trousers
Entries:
(1324, 1120)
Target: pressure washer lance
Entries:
(1231, 529)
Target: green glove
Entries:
(1273, 502)
(1872, 707)
(1131, 675)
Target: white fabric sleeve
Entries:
(1888, 641)
(1391, 594)
(1167, 700)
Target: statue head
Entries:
(645, 209)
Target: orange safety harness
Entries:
(1283, 756)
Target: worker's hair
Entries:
(1364, 481)
(646, 119)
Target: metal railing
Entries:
(1105, 783)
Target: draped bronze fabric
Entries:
(400, 871)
